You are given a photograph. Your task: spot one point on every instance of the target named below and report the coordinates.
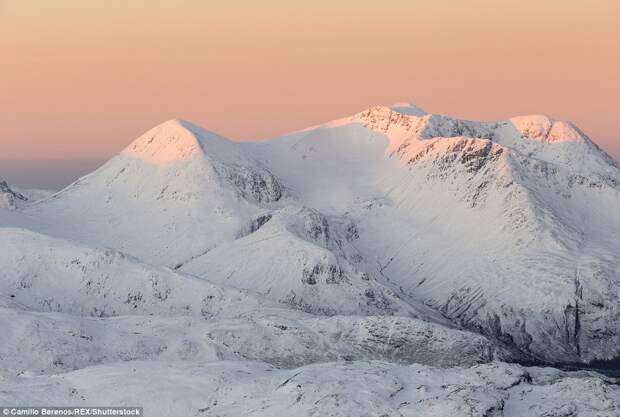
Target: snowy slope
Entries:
(392, 235)
(52, 343)
(174, 193)
(312, 266)
(519, 248)
(39, 273)
(75, 306)
(351, 389)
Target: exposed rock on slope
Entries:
(392, 235)
(43, 274)
(312, 265)
(496, 225)
(176, 192)
(108, 306)
(9, 198)
(506, 228)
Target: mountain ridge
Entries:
(392, 235)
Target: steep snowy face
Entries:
(409, 124)
(304, 259)
(542, 128)
(176, 192)
(536, 136)
(495, 227)
(532, 172)
(522, 216)
(176, 142)
(557, 142)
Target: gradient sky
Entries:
(81, 79)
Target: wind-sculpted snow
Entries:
(391, 235)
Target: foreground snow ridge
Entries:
(390, 263)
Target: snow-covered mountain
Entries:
(391, 235)
(98, 295)
(180, 188)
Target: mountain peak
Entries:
(166, 144)
(174, 141)
(488, 226)
(545, 129)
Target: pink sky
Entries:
(81, 79)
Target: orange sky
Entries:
(81, 79)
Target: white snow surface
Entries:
(388, 263)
